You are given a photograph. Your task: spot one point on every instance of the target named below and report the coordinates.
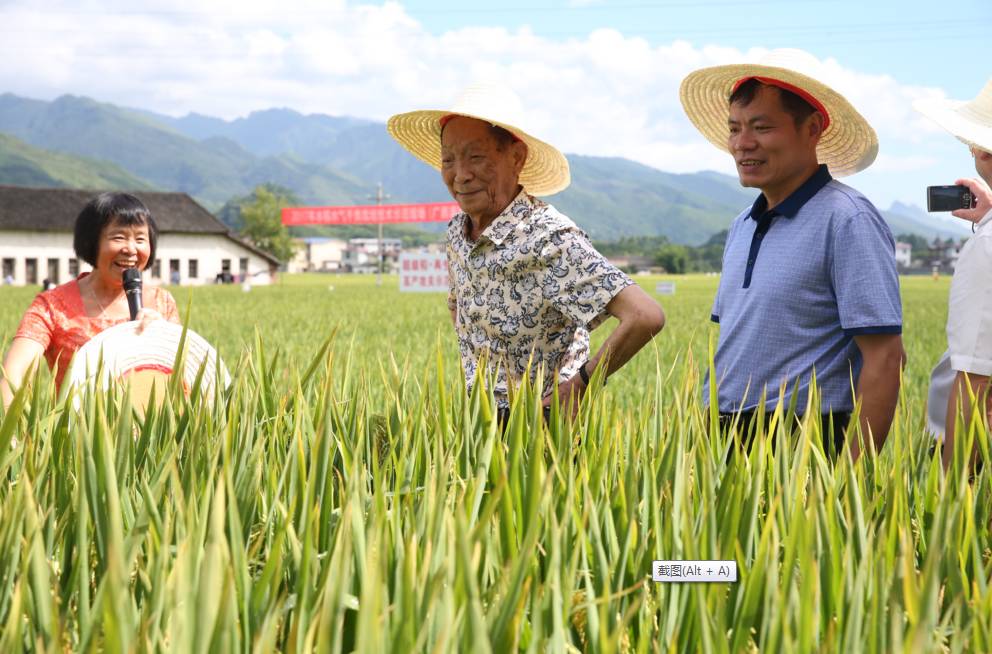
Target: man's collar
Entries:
(505, 222)
(791, 205)
(986, 219)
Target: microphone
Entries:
(132, 289)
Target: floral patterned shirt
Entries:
(531, 285)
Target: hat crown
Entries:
(545, 171)
(980, 108)
(970, 122)
(493, 102)
(848, 145)
(799, 61)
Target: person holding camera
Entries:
(966, 366)
(809, 286)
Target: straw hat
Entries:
(970, 122)
(848, 143)
(544, 173)
(120, 354)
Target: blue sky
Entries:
(597, 77)
(945, 44)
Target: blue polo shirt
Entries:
(799, 282)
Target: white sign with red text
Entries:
(423, 272)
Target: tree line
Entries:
(675, 258)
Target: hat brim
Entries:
(953, 116)
(545, 172)
(119, 351)
(848, 145)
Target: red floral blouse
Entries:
(58, 321)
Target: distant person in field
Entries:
(809, 281)
(968, 359)
(113, 232)
(526, 285)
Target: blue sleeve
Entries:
(863, 271)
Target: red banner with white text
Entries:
(370, 215)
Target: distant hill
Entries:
(609, 197)
(335, 160)
(24, 165)
(907, 219)
(269, 132)
(631, 199)
(212, 170)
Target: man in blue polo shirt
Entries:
(809, 284)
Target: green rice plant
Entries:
(346, 493)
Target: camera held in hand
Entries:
(949, 198)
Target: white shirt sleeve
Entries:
(969, 317)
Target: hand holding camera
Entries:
(981, 200)
(949, 198)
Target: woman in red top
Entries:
(113, 232)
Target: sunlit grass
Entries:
(346, 494)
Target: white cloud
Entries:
(887, 163)
(604, 94)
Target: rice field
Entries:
(346, 494)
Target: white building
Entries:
(318, 254)
(362, 254)
(194, 247)
(904, 254)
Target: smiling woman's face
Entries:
(481, 176)
(122, 247)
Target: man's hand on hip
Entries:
(569, 394)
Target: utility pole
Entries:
(379, 198)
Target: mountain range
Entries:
(78, 142)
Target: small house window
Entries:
(31, 271)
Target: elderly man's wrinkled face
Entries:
(481, 174)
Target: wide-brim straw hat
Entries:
(970, 122)
(120, 351)
(848, 145)
(545, 171)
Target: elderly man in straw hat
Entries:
(526, 284)
(809, 288)
(968, 359)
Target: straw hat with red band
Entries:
(970, 122)
(121, 354)
(544, 173)
(848, 143)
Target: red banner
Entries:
(365, 215)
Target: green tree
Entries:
(262, 222)
(673, 258)
(920, 246)
(230, 213)
(708, 257)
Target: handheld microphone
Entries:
(132, 289)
